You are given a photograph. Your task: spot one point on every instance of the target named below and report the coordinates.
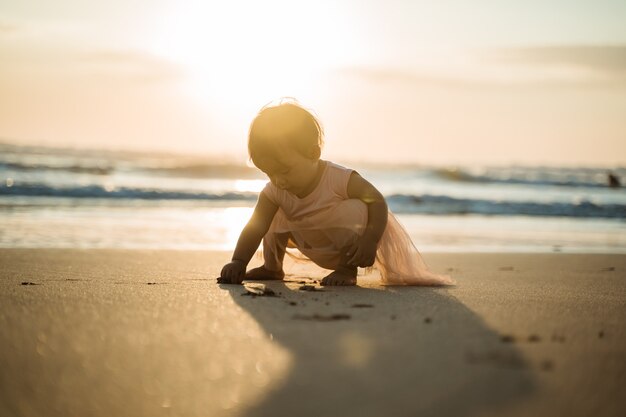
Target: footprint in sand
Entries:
(320, 317)
(547, 365)
(558, 338)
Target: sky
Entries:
(410, 81)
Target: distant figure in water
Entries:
(613, 180)
(330, 213)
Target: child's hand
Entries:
(362, 253)
(233, 273)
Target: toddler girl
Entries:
(331, 214)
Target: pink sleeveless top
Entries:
(332, 189)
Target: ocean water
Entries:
(65, 198)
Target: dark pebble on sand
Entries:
(600, 334)
(609, 269)
(362, 306)
(534, 338)
(293, 303)
(506, 268)
(309, 288)
(428, 320)
(507, 338)
(29, 283)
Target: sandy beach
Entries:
(150, 333)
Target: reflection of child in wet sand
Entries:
(331, 214)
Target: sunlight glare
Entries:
(252, 186)
(233, 219)
(250, 52)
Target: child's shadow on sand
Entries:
(415, 351)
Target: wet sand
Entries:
(150, 333)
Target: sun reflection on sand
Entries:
(252, 363)
(356, 350)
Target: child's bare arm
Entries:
(363, 252)
(249, 240)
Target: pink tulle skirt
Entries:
(399, 261)
(322, 236)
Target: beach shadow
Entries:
(384, 351)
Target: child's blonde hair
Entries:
(285, 124)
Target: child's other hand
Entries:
(233, 272)
(362, 253)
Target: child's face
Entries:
(290, 171)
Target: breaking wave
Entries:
(399, 203)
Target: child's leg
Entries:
(343, 274)
(274, 248)
(337, 232)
